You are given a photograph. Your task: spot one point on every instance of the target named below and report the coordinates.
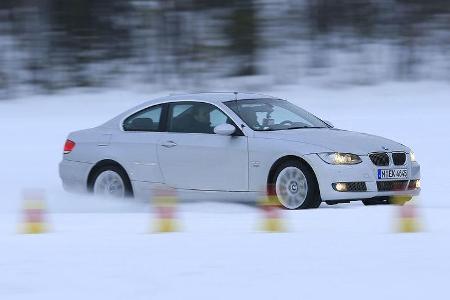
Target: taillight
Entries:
(68, 146)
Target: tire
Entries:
(295, 186)
(387, 200)
(111, 181)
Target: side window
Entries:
(179, 109)
(217, 117)
(144, 120)
(195, 117)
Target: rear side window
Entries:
(144, 120)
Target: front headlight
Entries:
(340, 158)
(412, 156)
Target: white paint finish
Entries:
(138, 152)
(104, 139)
(327, 174)
(226, 163)
(204, 161)
(224, 129)
(74, 175)
(335, 140)
(267, 151)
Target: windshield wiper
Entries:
(293, 127)
(302, 127)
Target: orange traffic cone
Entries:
(272, 217)
(407, 218)
(164, 205)
(34, 213)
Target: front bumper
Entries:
(365, 172)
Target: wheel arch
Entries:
(283, 159)
(101, 164)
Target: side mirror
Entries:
(224, 129)
(329, 123)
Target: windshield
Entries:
(274, 114)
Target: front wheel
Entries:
(295, 186)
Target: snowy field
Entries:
(103, 249)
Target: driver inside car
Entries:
(201, 120)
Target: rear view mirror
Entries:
(224, 129)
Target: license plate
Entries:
(392, 173)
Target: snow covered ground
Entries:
(102, 249)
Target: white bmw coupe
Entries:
(236, 146)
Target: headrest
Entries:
(142, 124)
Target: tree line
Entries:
(50, 45)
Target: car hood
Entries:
(336, 140)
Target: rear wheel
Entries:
(295, 186)
(112, 182)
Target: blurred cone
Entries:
(34, 213)
(272, 220)
(407, 220)
(164, 205)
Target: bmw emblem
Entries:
(385, 148)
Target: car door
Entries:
(192, 156)
(136, 145)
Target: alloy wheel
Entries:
(109, 184)
(291, 187)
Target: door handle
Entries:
(169, 144)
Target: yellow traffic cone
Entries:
(407, 220)
(272, 220)
(34, 213)
(164, 205)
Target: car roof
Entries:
(213, 97)
(216, 97)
